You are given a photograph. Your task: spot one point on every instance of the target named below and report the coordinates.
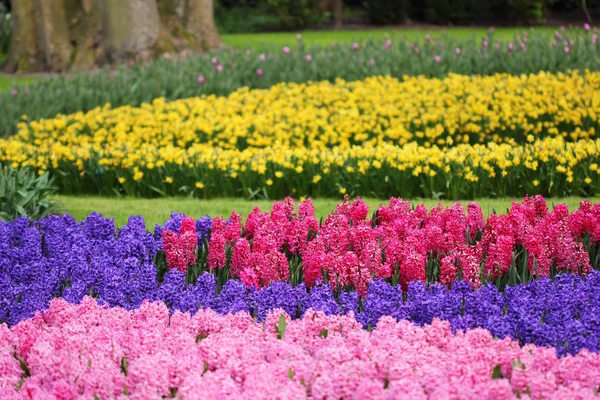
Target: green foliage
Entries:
(245, 20)
(386, 12)
(295, 14)
(5, 29)
(23, 193)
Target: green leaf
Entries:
(124, 365)
(281, 327)
(497, 373)
(291, 373)
(324, 333)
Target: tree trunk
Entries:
(24, 52)
(199, 20)
(337, 13)
(53, 34)
(131, 27)
(588, 17)
(60, 35)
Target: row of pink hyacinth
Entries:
(351, 249)
(86, 351)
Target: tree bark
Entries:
(588, 16)
(24, 52)
(60, 35)
(199, 20)
(53, 34)
(131, 27)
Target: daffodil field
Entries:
(455, 137)
(395, 302)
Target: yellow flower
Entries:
(138, 175)
(168, 179)
(269, 182)
(278, 174)
(199, 185)
(299, 169)
(593, 167)
(536, 182)
(342, 190)
(316, 178)
(530, 138)
(233, 175)
(587, 180)
(121, 180)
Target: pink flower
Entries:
(567, 50)
(298, 37)
(355, 46)
(308, 58)
(511, 46)
(437, 59)
(286, 50)
(372, 62)
(214, 61)
(427, 37)
(332, 44)
(219, 68)
(259, 72)
(485, 43)
(174, 251)
(201, 80)
(457, 51)
(13, 93)
(262, 57)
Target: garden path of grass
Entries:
(158, 210)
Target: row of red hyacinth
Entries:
(397, 243)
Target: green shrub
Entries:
(24, 193)
(296, 14)
(246, 20)
(387, 12)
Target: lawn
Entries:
(158, 210)
(326, 37)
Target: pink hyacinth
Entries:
(219, 68)
(214, 61)
(262, 57)
(189, 240)
(437, 59)
(587, 27)
(355, 46)
(286, 50)
(567, 50)
(308, 58)
(174, 251)
(201, 80)
(457, 51)
(372, 62)
(259, 72)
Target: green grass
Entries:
(325, 38)
(7, 80)
(158, 210)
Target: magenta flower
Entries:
(511, 46)
(219, 68)
(457, 51)
(485, 43)
(308, 58)
(355, 46)
(259, 72)
(567, 50)
(437, 59)
(214, 61)
(201, 79)
(286, 50)
(262, 57)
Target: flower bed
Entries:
(86, 350)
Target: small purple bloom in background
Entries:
(427, 38)
(286, 50)
(298, 37)
(248, 52)
(372, 62)
(511, 46)
(219, 68)
(387, 44)
(14, 93)
(491, 29)
(417, 50)
(262, 57)
(332, 44)
(567, 50)
(259, 72)
(457, 51)
(485, 43)
(214, 61)
(437, 59)
(594, 38)
(201, 79)
(497, 46)
(557, 35)
(554, 43)
(562, 28)
(308, 58)
(355, 46)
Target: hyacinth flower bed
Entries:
(283, 303)
(87, 351)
